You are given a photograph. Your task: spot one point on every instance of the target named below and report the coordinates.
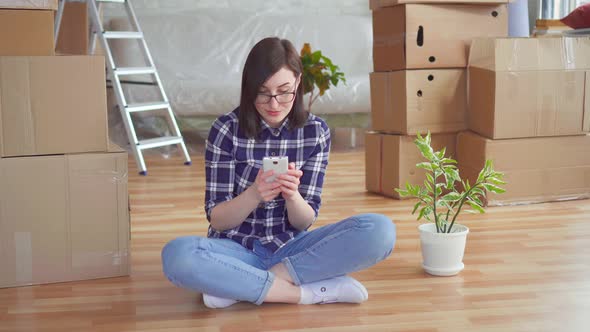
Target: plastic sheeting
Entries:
(200, 48)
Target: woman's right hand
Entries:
(266, 191)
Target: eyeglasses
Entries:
(281, 98)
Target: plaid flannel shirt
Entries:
(232, 162)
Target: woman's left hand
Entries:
(290, 182)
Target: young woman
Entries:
(258, 247)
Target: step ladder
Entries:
(115, 73)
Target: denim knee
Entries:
(178, 258)
(381, 234)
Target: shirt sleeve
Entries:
(314, 169)
(219, 166)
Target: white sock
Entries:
(215, 302)
(339, 289)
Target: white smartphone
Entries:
(279, 165)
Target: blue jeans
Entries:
(224, 268)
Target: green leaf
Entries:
(402, 192)
(315, 56)
(422, 212)
(416, 207)
(496, 181)
(493, 188)
(449, 161)
(428, 186)
(429, 177)
(424, 165)
(452, 196)
(476, 200)
(476, 207)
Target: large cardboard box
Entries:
(526, 87)
(520, 54)
(26, 32)
(52, 105)
(73, 30)
(417, 36)
(376, 4)
(539, 169)
(63, 218)
(29, 4)
(416, 101)
(390, 160)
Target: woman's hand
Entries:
(289, 182)
(266, 191)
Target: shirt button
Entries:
(272, 153)
(276, 132)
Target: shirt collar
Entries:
(274, 131)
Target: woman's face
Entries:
(283, 86)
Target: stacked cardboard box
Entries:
(73, 29)
(529, 111)
(419, 83)
(63, 187)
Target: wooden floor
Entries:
(527, 269)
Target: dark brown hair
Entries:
(266, 58)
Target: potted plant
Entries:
(318, 70)
(440, 201)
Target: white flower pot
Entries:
(442, 253)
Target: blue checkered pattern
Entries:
(232, 162)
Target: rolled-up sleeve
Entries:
(219, 166)
(314, 169)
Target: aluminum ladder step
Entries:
(134, 71)
(122, 35)
(159, 142)
(144, 107)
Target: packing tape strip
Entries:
(569, 58)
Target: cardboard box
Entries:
(390, 160)
(29, 4)
(52, 105)
(520, 54)
(416, 101)
(418, 36)
(26, 32)
(540, 169)
(73, 30)
(514, 104)
(63, 218)
(376, 4)
(526, 87)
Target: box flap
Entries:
(98, 215)
(53, 105)
(520, 54)
(18, 125)
(389, 36)
(34, 221)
